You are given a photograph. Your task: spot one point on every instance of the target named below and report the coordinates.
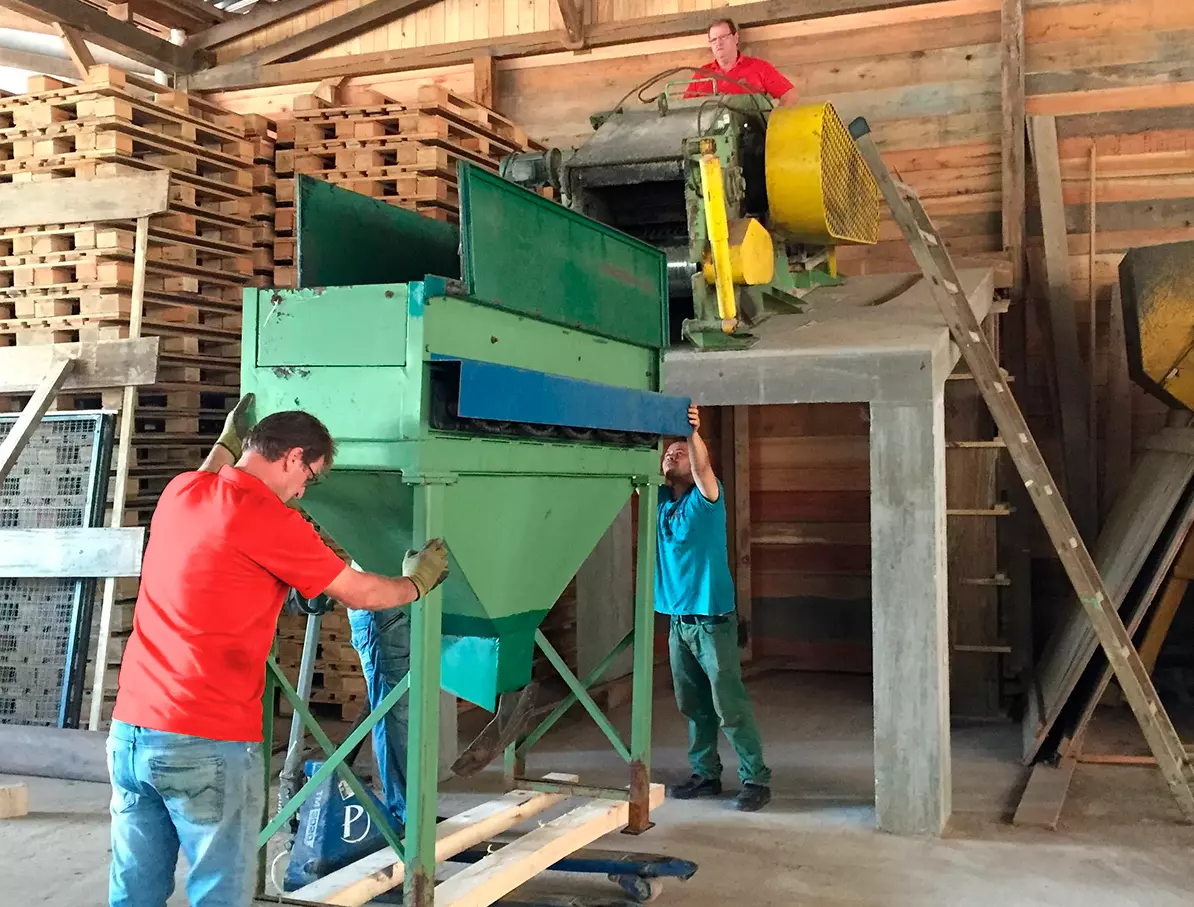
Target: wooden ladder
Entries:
(931, 255)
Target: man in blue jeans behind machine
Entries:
(382, 642)
(693, 586)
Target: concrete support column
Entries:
(909, 616)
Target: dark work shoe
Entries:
(694, 787)
(752, 798)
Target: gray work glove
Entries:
(426, 568)
(236, 426)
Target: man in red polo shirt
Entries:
(759, 75)
(184, 752)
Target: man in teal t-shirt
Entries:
(693, 587)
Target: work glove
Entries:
(426, 568)
(236, 426)
(296, 604)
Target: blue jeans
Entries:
(382, 640)
(171, 791)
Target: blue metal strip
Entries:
(507, 394)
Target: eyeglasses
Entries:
(313, 477)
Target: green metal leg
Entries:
(644, 665)
(514, 763)
(422, 760)
(334, 762)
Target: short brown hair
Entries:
(280, 432)
(729, 22)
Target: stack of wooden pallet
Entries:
(337, 686)
(405, 154)
(262, 132)
(66, 282)
(69, 282)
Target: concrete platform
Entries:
(878, 339)
(1120, 843)
(882, 341)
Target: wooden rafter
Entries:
(101, 29)
(76, 48)
(341, 28)
(261, 15)
(248, 72)
(28, 60)
(574, 22)
(188, 15)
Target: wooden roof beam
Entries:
(261, 15)
(97, 27)
(76, 48)
(251, 71)
(573, 15)
(327, 34)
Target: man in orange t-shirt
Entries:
(748, 73)
(184, 752)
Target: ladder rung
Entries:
(999, 579)
(930, 238)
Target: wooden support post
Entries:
(484, 81)
(128, 413)
(1117, 452)
(909, 616)
(1012, 79)
(1071, 388)
(744, 593)
(26, 424)
(1092, 343)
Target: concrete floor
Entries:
(1120, 842)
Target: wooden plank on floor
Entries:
(52, 752)
(360, 882)
(14, 801)
(501, 872)
(1040, 806)
(1131, 531)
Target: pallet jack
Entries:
(333, 829)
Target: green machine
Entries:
(496, 386)
(748, 203)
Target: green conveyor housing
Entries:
(570, 313)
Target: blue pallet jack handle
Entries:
(640, 875)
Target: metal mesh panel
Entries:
(59, 481)
(850, 192)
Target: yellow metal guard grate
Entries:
(847, 185)
(819, 189)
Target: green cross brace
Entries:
(591, 678)
(582, 695)
(335, 761)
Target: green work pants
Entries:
(707, 675)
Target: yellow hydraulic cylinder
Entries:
(713, 190)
